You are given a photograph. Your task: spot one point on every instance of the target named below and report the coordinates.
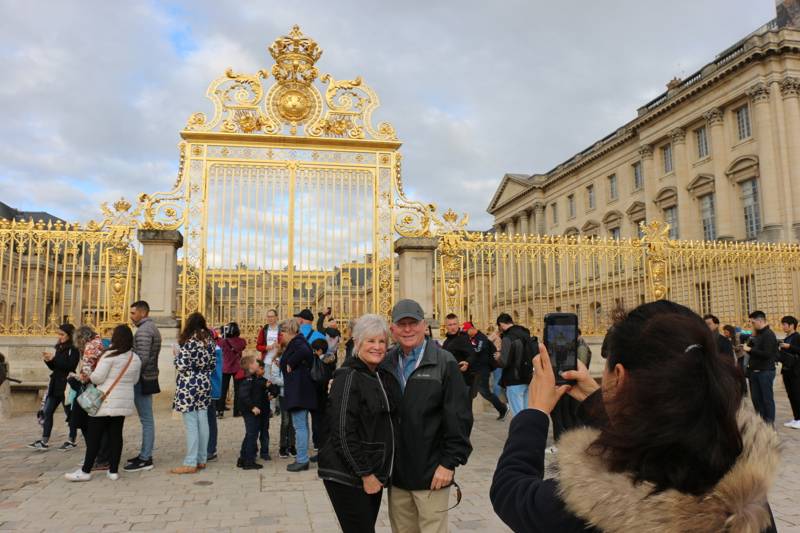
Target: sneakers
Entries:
(112, 477)
(502, 415)
(252, 466)
(67, 446)
(138, 465)
(201, 466)
(266, 457)
(793, 424)
(283, 453)
(38, 445)
(293, 451)
(78, 475)
(314, 458)
(297, 467)
(212, 457)
(184, 470)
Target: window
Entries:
(638, 177)
(554, 210)
(752, 211)
(709, 217)
(701, 136)
(614, 233)
(703, 297)
(571, 205)
(666, 155)
(743, 122)
(612, 187)
(671, 218)
(590, 196)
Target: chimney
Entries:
(787, 13)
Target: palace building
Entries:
(717, 156)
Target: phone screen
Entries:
(561, 339)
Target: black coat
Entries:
(764, 350)
(724, 346)
(299, 390)
(435, 418)
(362, 414)
(484, 351)
(790, 357)
(460, 348)
(511, 351)
(253, 393)
(586, 493)
(65, 361)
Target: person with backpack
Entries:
(517, 350)
(321, 374)
(232, 348)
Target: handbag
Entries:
(92, 398)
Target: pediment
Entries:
(743, 168)
(612, 218)
(510, 187)
(637, 211)
(666, 197)
(701, 185)
(590, 227)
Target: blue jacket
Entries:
(216, 376)
(311, 334)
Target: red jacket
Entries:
(232, 349)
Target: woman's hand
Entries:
(371, 484)
(585, 384)
(544, 394)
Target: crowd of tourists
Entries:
(665, 442)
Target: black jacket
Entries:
(764, 350)
(790, 357)
(724, 346)
(484, 351)
(435, 418)
(65, 361)
(509, 352)
(362, 413)
(585, 492)
(253, 393)
(461, 348)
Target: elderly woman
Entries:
(298, 387)
(356, 461)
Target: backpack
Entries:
(521, 359)
(319, 371)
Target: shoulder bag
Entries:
(92, 398)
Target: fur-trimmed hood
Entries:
(611, 502)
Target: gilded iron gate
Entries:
(285, 196)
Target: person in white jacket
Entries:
(116, 373)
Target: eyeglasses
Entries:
(458, 497)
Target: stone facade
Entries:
(717, 156)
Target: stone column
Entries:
(416, 268)
(524, 227)
(767, 167)
(538, 212)
(790, 90)
(650, 185)
(686, 230)
(723, 190)
(160, 274)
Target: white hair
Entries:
(369, 326)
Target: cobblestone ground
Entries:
(35, 497)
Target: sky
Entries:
(94, 93)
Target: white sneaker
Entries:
(789, 424)
(109, 475)
(795, 424)
(78, 475)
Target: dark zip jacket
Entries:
(510, 352)
(764, 350)
(253, 393)
(435, 418)
(362, 413)
(65, 361)
(790, 357)
(461, 348)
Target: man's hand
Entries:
(371, 484)
(784, 346)
(442, 478)
(256, 411)
(463, 366)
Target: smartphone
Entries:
(561, 340)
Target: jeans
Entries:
(256, 429)
(144, 406)
(51, 403)
(517, 398)
(287, 428)
(497, 373)
(196, 425)
(762, 395)
(482, 379)
(212, 428)
(356, 510)
(101, 428)
(300, 423)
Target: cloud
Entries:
(94, 93)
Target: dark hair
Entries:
(504, 318)
(69, 329)
(121, 341)
(672, 422)
(711, 317)
(272, 311)
(789, 319)
(320, 344)
(451, 316)
(260, 362)
(758, 315)
(730, 329)
(141, 305)
(195, 327)
(233, 330)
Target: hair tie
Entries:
(692, 347)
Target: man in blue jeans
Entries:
(515, 384)
(147, 345)
(763, 350)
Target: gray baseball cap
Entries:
(407, 309)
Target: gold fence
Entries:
(54, 272)
(480, 275)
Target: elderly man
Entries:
(435, 423)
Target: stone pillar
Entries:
(160, 274)
(416, 266)
(686, 230)
(723, 190)
(538, 213)
(650, 185)
(767, 168)
(790, 90)
(524, 227)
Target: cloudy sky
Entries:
(94, 92)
